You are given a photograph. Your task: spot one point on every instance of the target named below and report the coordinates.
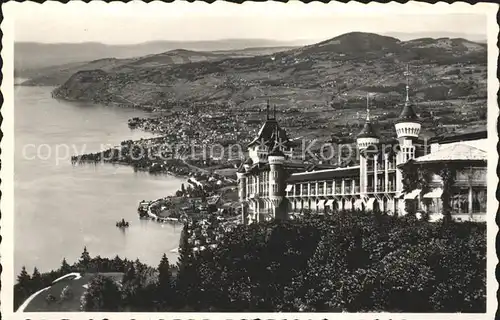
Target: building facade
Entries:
(272, 186)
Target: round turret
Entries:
(277, 181)
(367, 136)
(408, 124)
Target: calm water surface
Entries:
(60, 208)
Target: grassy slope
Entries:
(39, 304)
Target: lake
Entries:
(60, 208)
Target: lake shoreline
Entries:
(61, 208)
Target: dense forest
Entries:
(345, 262)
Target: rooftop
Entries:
(458, 137)
(368, 131)
(408, 114)
(267, 133)
(457, 152)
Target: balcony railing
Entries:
(369, 188)
(347, 189)
(329, 190)
(338, 190)
(356, 189)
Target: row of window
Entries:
(263, 176)
(325, 187)
(463, 201)
(380, 165)
(263, 189)
(391, 185)
(408, 131)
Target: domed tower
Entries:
(367, 138)
(407, 128)
(277, 181)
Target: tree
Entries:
(129, 274)
(24, 281)
(410, 175)
(65, 267)
(164, 274)
(134, 283)
(186, 277)
(117, 264)
(448, 176)
(102, 295)
(84, 261)
(183, 241)
(164, 281)
(36, 280)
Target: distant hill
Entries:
(354, 43)
(57, 75)
(405, 36)
(337, 71)
(32, 55)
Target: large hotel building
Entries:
(272, 185)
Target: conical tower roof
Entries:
(368, 130)
(408, 113)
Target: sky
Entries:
(119, 23)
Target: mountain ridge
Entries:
(31, 55)
(58, 74)
(342, 68)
